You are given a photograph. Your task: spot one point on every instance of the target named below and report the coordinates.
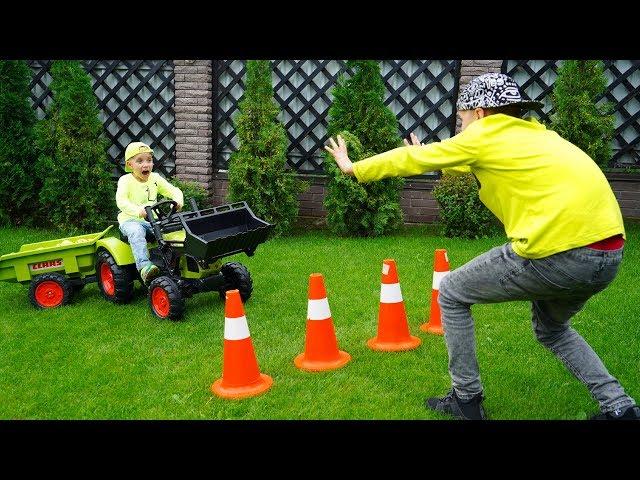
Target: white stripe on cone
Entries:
(437, 278)
(318, 309)
(390, 293)
(236, 328)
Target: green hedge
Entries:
(193, 190)
(461, 212)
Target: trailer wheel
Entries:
(165, 298)
(236, 277)
(115, 281)
(50, 290)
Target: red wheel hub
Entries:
(106, 278)
(160, 302)
(49, 294)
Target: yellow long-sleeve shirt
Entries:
(133, 195)
(548, 193)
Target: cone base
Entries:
(409, 344)
(262, 385)
(435, 329)
(317, 366)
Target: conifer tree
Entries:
(578, 116)
(257, 170)
(77, 192)
(369, 127)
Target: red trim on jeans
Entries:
(611, 243)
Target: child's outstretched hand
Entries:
(414, 141)
(142, 213)
(339, 153)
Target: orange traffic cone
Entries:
(440, 269)
(240, 375)
(320, 347)
(393, 328)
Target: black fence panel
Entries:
(136, 100)
(536, 78)
(421, 93)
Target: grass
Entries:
(96, 360)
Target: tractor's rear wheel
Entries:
(236, 277)
(50, 290)
(165, 298)
(115, 281)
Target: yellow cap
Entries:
(133, 149)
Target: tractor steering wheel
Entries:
(160, 209)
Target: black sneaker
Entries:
(462, 409)
(628, 413)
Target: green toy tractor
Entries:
(186, 246)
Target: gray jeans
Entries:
(558, 286)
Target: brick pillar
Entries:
(473, 68)
(193, 97)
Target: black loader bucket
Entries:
(221, 231)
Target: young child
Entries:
(562, 219)
(136, 190)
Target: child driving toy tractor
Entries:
(186, 247)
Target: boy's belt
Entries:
(611, 243)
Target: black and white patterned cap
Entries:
(493, 90)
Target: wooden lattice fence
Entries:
(135, 98)
(421, 93)
(536, 78)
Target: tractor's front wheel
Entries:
(165, 298)
(50, 290)
(236, 277)
(115, 281)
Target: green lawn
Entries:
(96, 360)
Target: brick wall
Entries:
(193, 98)
(416, 200)
(626, 187)
(194, 150)
(220, 188)
(473, 68)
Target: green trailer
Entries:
(54, 269)
(186, 247)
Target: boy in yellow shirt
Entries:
(136, 190)
(561, 217)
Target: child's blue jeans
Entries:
(136, 234)
(558, 286)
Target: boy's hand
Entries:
(178, 206)
(339, 153)
(142, 213)
(414, 141)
